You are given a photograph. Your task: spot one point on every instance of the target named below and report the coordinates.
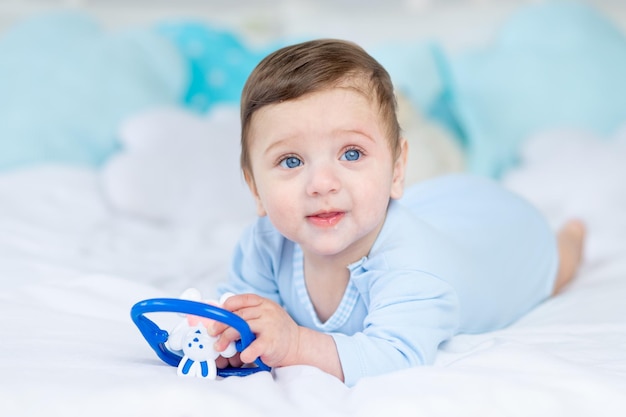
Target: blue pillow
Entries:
(414, 69)
(66, 86)
(217, 60)
(417, 69)
(553, 65)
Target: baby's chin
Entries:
(332, 249)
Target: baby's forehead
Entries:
(348, 94)
(359, 83)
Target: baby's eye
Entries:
(351, 155)
(291, 162)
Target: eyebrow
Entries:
(359, 132)
(275, 145)
(281, 142)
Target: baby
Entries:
(347, 271)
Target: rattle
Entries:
(189, 347)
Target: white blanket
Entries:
(73, 262)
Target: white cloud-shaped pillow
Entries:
(179, 167)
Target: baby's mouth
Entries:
(326, 218)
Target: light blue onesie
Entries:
(457, 254)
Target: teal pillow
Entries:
(66, 85)
(552, 65)
(413, 67)
(218, 62)
(417, 69)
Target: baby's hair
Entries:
(296, 70)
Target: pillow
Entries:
(218, 62)
(179, 167)
(417, 69)
(66, 84)
(432, 150)
(552, 65)
(414, 70)
(569, 173)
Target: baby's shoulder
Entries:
(405, 236)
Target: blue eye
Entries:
(290, 162)
(351, 155)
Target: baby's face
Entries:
(323, 171)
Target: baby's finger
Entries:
(216, 328)
(236, 361)
(237, 302)
(252, 352)
(222, 362)
(229, 335)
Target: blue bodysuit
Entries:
(457, 254)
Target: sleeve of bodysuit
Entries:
(410, 314)
(254, 263)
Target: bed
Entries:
(120, 195)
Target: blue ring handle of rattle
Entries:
(156, 337)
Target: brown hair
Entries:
(296, 70)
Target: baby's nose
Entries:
(323, 179)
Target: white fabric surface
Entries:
(72, 263)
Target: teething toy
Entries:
(189, 346)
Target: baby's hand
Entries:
(277, 335)
(233, 361)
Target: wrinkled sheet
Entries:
(71, 267)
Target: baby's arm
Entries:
(279, 340)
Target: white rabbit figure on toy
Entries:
(191, 336)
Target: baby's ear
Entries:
(399, 169)
(260, 210)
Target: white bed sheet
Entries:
(71, 268)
